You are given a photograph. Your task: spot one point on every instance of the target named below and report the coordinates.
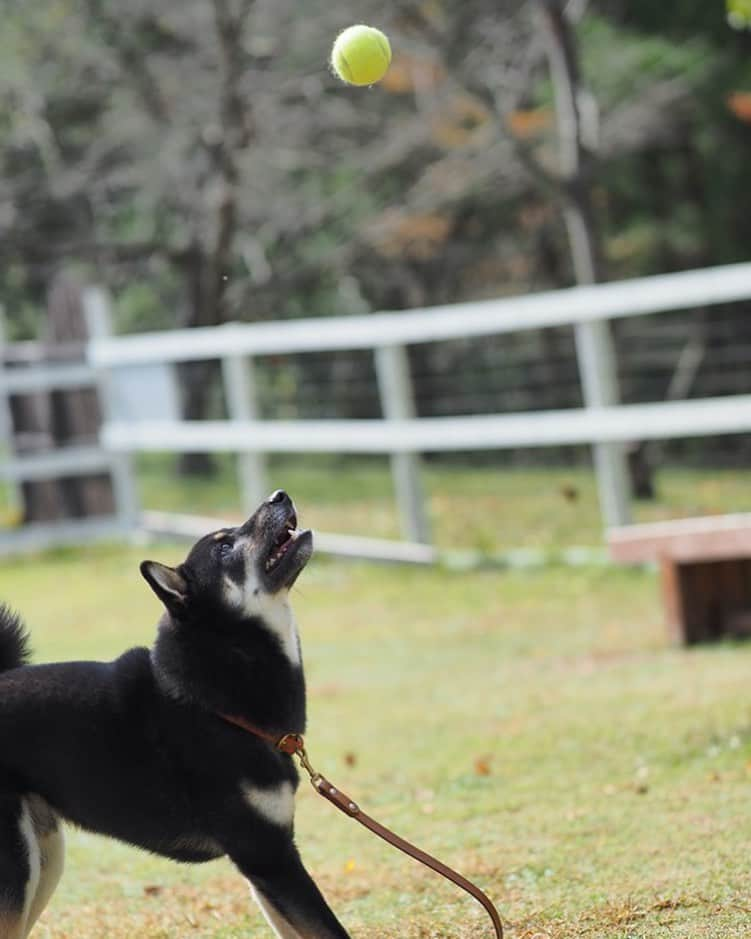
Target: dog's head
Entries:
(236, 572)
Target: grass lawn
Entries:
(476, 508)
(531, 728)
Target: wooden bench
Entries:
(706, 572)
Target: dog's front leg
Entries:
(287, 894)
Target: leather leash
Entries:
(294, 745)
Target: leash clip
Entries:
(294, 745)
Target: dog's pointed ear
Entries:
(167, 583)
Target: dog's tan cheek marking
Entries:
(275, 805)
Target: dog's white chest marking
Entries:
(273, 609)
(276, 805)
(280, 620)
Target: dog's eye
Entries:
(225, 548)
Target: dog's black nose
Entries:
(278, 497)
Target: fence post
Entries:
(98, 316)
(397, 403)
(242, 405)
(15, 500)
(597, 368)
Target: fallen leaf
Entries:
(482, 765)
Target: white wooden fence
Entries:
(400, 433)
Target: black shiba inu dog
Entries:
(138, 749)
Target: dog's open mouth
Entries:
(283, 542)
(287, 555)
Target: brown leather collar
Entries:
(294, 745)
(287, 743)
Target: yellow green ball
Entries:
(361, 55)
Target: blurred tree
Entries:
(198, 157)
(151, 136)
(125, 145)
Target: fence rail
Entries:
(435, 324)
(55, 464)
(47, 377)
(696, 418)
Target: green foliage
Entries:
(617, 61)
(141, 307)
(669, 207)
(678, 18)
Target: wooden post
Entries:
(97, 313)
(397, 402)
(673, 600)
(242, 405)
(47, 419)
(75, 414)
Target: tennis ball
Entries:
(361, 55)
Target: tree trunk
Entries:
(196, 378)
(48, 420)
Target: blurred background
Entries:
(198, 159)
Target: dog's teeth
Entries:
(279, 551)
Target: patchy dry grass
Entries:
(531, 728)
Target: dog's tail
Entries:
(14, 640)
